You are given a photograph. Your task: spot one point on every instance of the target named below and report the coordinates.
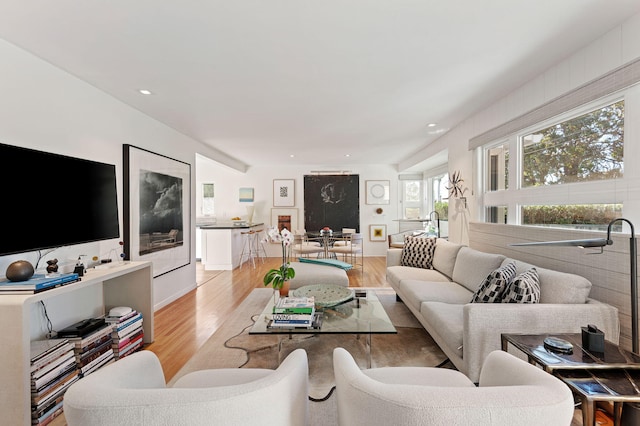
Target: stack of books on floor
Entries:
(294, 312)
(53, 370)
(92, 342)
(128, 334)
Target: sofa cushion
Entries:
(414, 292)
(396, 274)
(418, 252)
(472, 266)
(556, 286)
(448, 320)
(525, 288)
(444, 257)
(494, 286)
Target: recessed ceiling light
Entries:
(347, 155)
(431, 125)
(291, 155)
(145, 91)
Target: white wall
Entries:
(43, 107)
(227, 182)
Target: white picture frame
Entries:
(377, 192)
(284, 192)
(377, 233)
(147, 236)
(280, 217)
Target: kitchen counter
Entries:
(227, 225)
(221, 244)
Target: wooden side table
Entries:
(612, 376)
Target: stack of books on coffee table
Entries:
(294, 312)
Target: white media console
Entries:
(22, 318)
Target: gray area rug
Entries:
(232, 347)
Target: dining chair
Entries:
(346, 236)
(303, 248)
(352, 252)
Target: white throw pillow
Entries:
(418, 252)
(525, 288)
(493, 287)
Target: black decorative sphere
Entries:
(20, 270)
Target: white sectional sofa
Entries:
(467, 332)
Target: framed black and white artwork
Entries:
(156, 209)
(284, 192)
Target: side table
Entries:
(612, 376)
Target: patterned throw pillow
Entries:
(418, 252)
(492, 288)
(525, 288)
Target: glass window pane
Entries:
(412, 193)
(498, 167)
(584, 148)
(577, 216)
(496, 214)
(412, 213)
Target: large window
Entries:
(413, 197)
(580, 149)
(562, 172)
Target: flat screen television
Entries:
(51, 200)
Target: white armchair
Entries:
(510, 392)
(132, 391)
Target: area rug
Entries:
(232, 347)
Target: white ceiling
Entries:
(263, 79)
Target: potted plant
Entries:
(279, 278)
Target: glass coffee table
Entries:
(361, 315)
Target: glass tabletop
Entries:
(364, 314)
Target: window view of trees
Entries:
(580, 216)
(584, 148)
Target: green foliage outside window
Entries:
(575, 216)
(584, 148)
(442, 207)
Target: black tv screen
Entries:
(51, 200)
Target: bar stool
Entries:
(248, 247)
(259, 240)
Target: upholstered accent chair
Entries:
(510, 392)
(132, 391)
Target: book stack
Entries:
(93, 350)
(128, 334)
(53, 369)
(294, 312)
(37, 283)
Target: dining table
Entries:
(326, 240)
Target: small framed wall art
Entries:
(284, 192)
(377, 191)
(377, 232)
(246, 195)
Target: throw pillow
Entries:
(418, 252)
(525, 288)
(493, 287)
